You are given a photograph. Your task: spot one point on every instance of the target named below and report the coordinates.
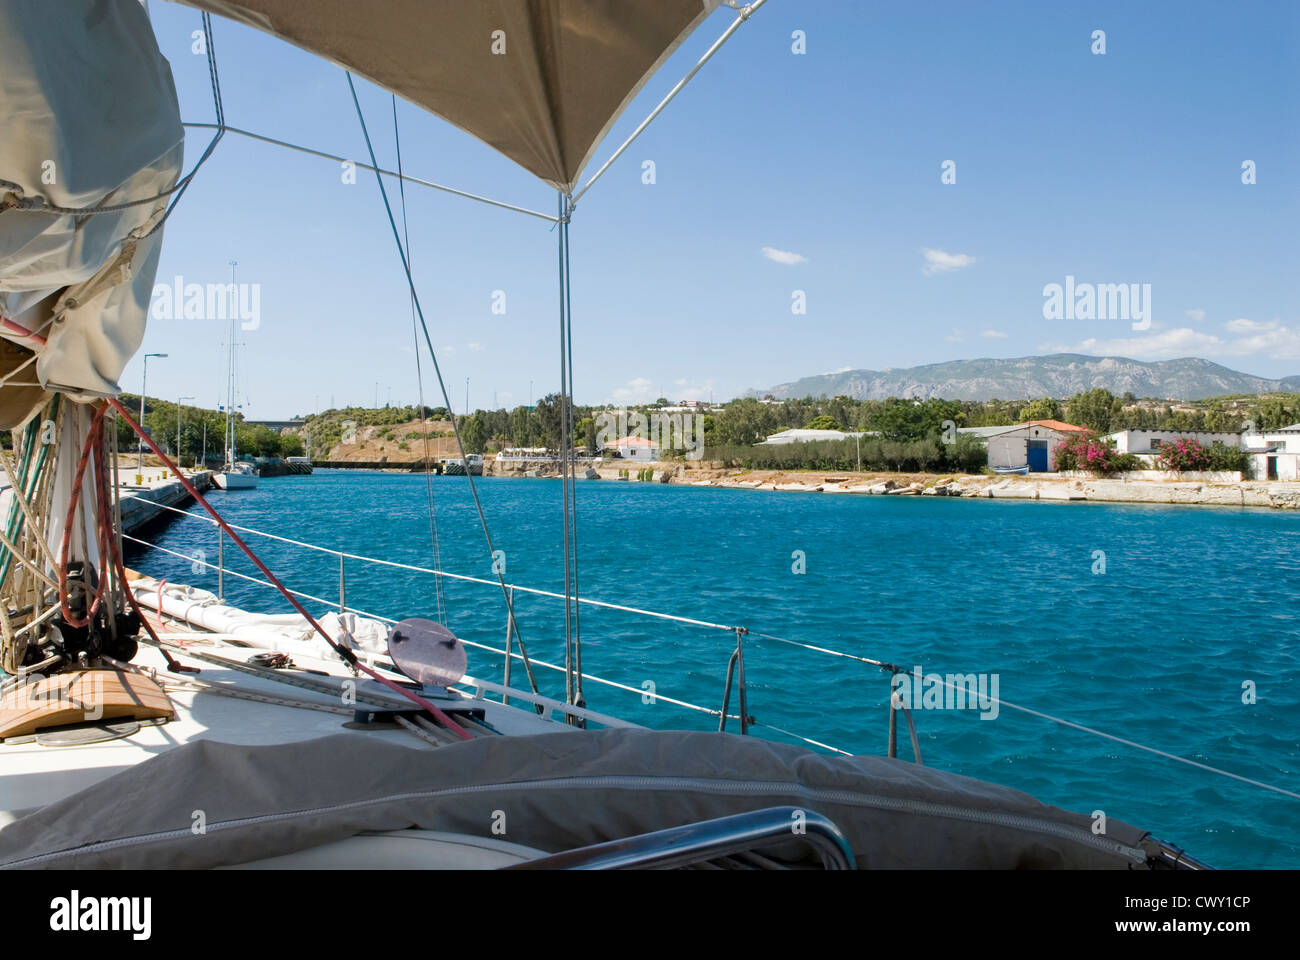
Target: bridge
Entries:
(279, 426)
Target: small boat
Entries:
(455, 467)
(240, 475)
(1021, 469)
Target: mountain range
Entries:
(1056, 375)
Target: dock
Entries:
(142, 502)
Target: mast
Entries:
(231, 451)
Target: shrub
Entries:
(1186, 454)
(966, 455)
(1095, 455)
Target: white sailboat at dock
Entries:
(235, 474)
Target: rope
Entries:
(342, 651)
(437, 369)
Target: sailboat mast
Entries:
(230, 369)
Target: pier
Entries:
(143, 502)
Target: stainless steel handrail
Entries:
(706, 840)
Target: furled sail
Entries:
(90, 120)
(541, 81)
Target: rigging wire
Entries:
(419, 379)
(312, 152)
(442, 385)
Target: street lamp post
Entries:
(144, 387)
(179, 401)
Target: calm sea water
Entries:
(1194, 602)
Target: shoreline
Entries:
(1274, 494)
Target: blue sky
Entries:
(1117, 168)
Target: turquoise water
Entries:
(1193, 603)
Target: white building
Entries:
(634, 448)
(1029, 445)
(809, 436)
(1275, 454)
(1150, 441)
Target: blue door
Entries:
(1037, 456)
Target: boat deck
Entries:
(233, 701)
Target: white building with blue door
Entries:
(1029, 445)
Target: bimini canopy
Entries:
(541, 81)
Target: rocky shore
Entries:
(1237, 493)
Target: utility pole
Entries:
(144, 387)
(179, 401)
(467, 396)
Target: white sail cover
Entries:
(541, 81)
(89, 117)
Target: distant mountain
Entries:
(1057, 375)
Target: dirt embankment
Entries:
(396, 444)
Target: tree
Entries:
(1095, 409)
(1044, 408)
(472, 434)
(823, 423)
(744, 423)
(586, 432)
(904, 419)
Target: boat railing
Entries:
(734, 673)
(735, 839)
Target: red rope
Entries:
(342, 651)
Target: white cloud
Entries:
(939, 261)
(636, 390)
(1196, 316)
(788, 257)
(474, 346)
(1271, 338)
(687, 389)
(993, 334)
(1242, 325)
(955, 336)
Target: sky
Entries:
(783, 180)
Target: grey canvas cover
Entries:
(541, 81)
(89, 118)
(557, 791)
